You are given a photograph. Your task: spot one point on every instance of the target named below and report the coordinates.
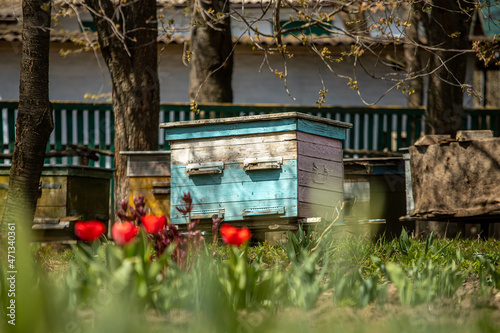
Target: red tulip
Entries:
(89, 231)
(153, 223)
(234, 236)
(124, 232)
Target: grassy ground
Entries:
(347, 284)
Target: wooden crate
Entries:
(149, 175)
(258, 170)
(67, 193)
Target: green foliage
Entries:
(309, 260)
(306, 279)
(353, 289)
(299, 244)
(420, 280)
(249, 286)
(404, 243)
(489, 276)
(423, 282)
(268, 255)
(127, 274)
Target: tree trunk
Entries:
(448, 28)
(413, 55)
(128, 45)
(444, 112)
(34, 119)
(211, 64)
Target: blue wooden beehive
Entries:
(257, 169)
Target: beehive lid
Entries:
(77, 171)
(259, 124)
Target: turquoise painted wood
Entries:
(227, 129)
(233, 211)
(234, 173)
(275, 168)
(322, 129)
(271, 123)
(236, 192)
(241, 191)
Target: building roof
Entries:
(9, 7)
(11, 25)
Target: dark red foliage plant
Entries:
(164, 235)
(186, 243)
(133, 214)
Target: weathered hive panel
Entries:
(320, 175)
(149, 175)
(92, 204)
(52, 203)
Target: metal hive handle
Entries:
(262, 163)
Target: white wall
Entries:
(10, 62)
(305, 76)
(75, 75)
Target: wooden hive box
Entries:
(67, 193)
(374, 192)
(149, 175)
(257, 170)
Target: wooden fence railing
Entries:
(374, 128)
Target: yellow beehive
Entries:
(149, 175)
